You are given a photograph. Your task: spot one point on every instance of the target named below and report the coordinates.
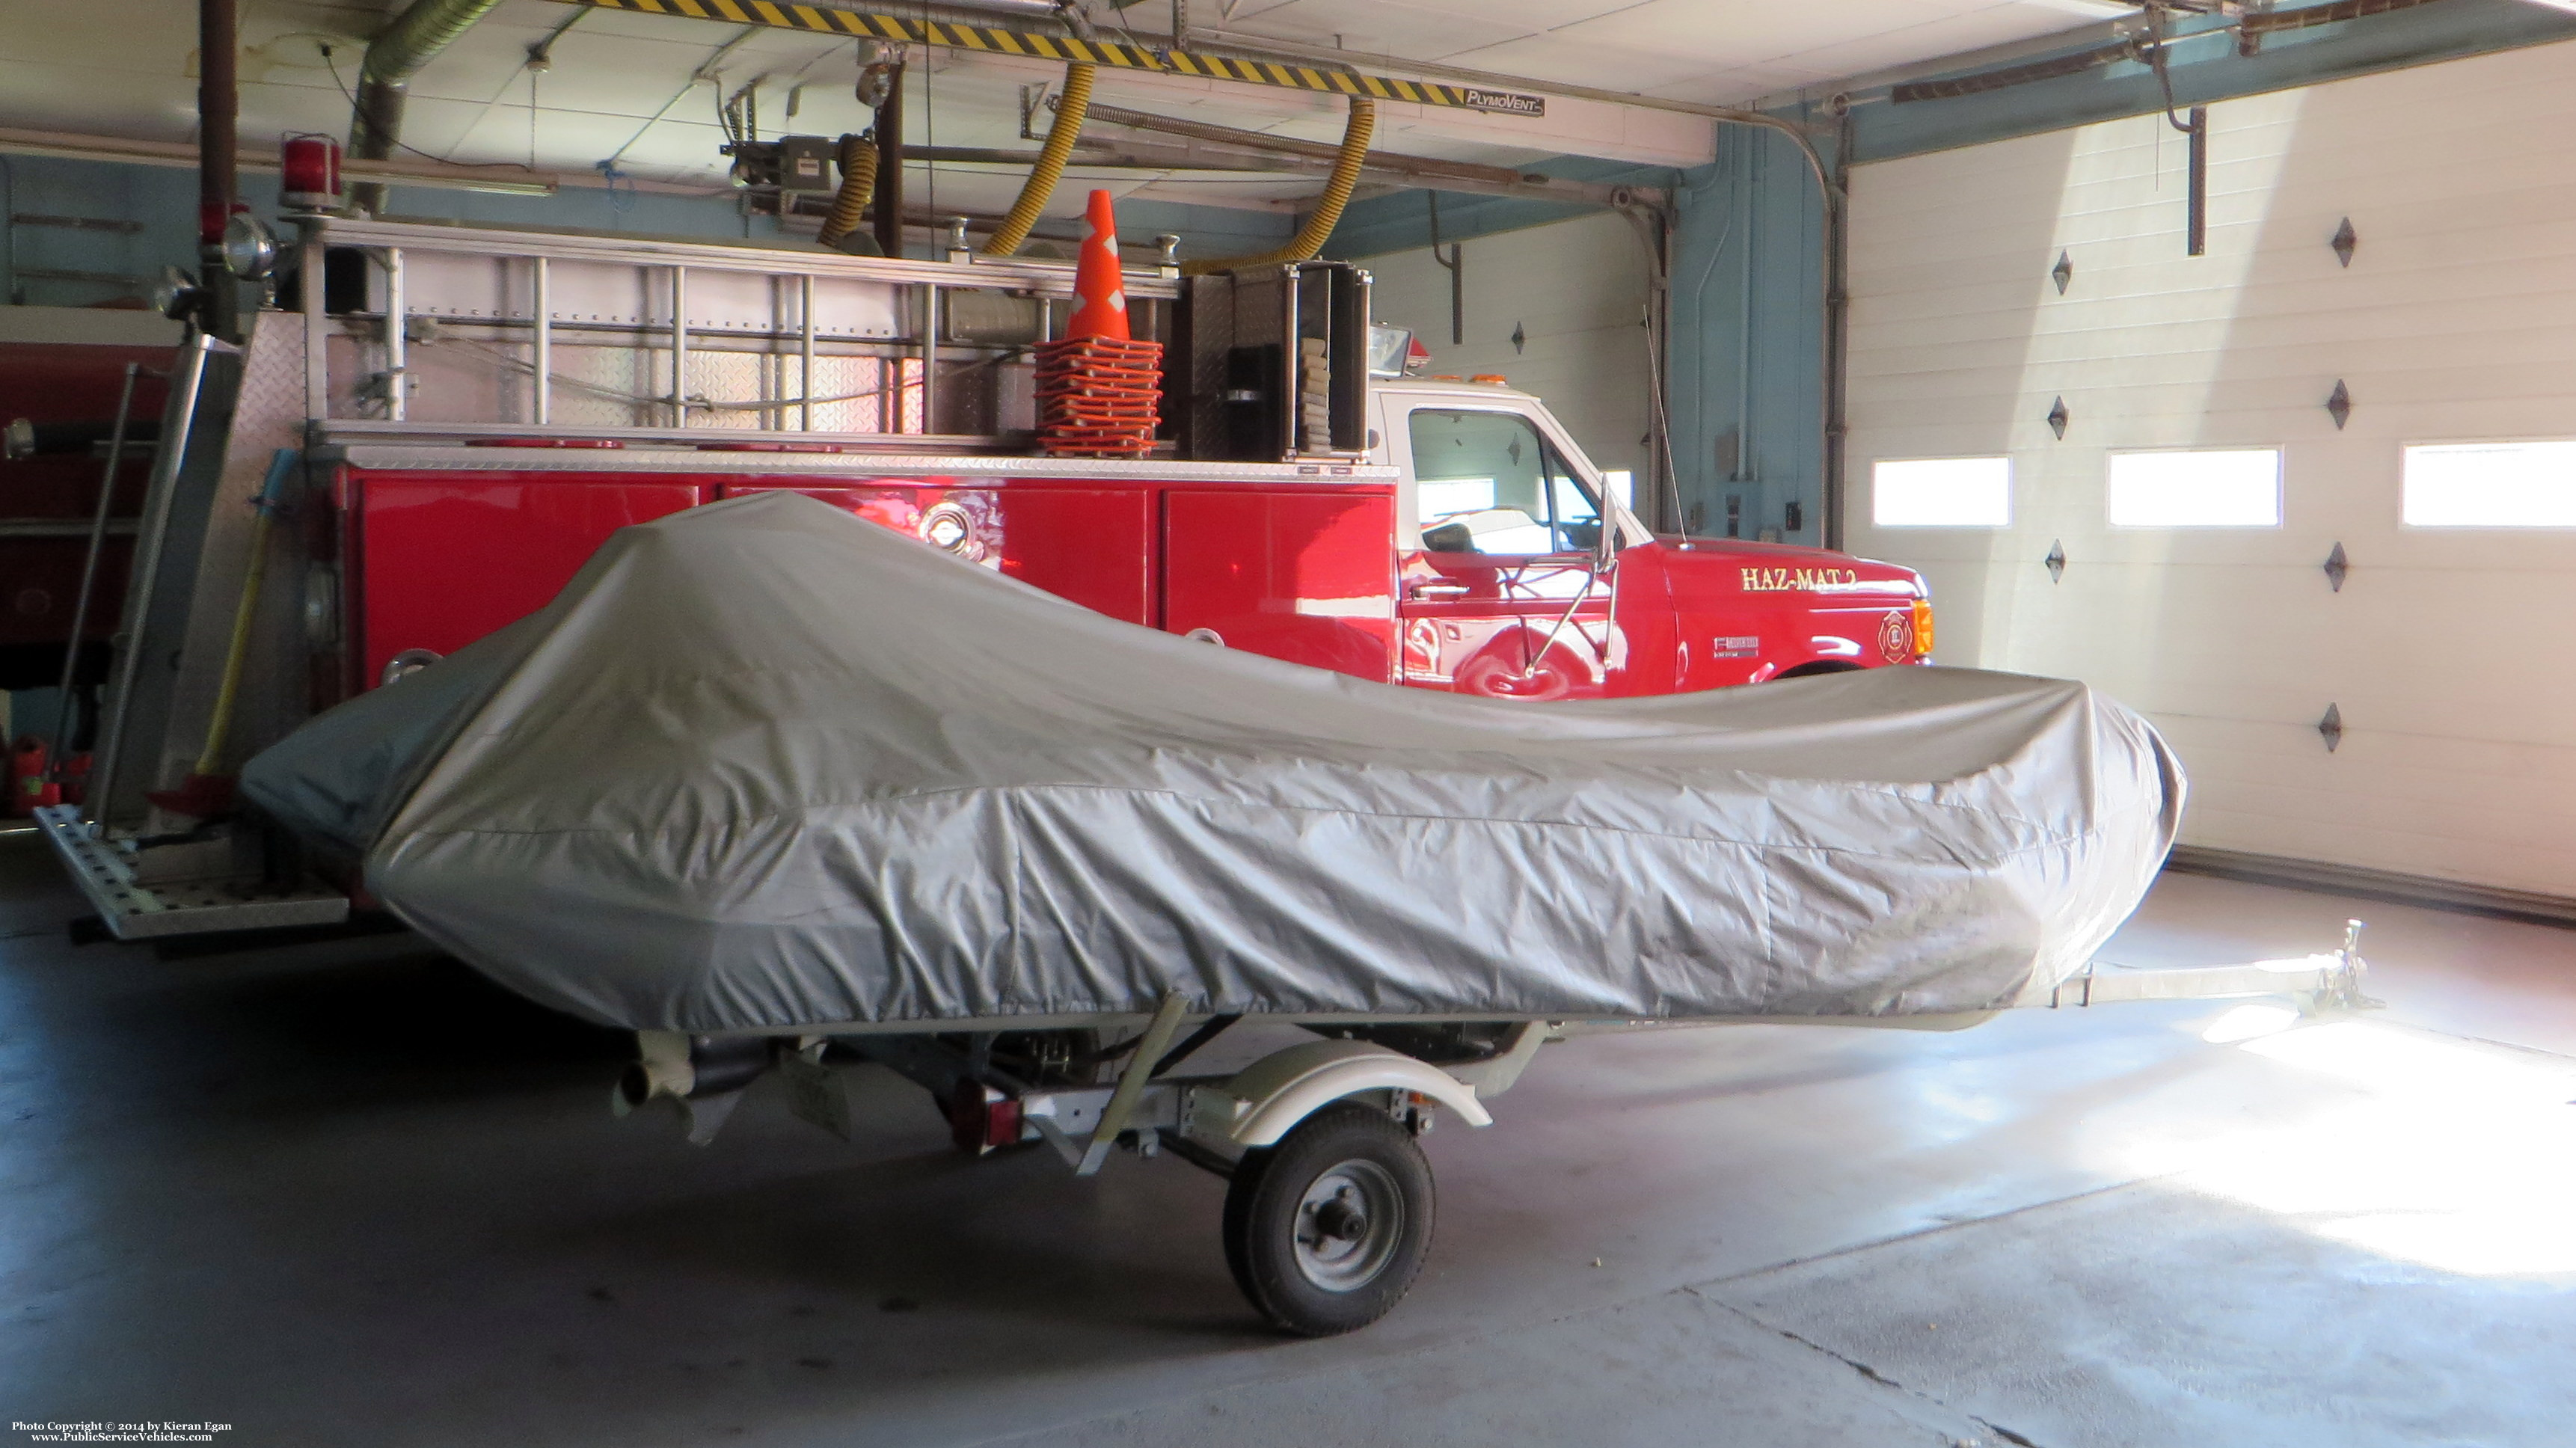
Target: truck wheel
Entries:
(1326, 1230)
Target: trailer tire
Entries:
(1326, 1231)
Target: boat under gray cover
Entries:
(766, 766)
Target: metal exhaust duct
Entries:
(384, 76)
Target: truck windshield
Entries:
(1487, 482)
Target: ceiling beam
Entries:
(1332, 78)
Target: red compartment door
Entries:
(1303, 574)
(1093, 546)
(1089, 545)
(443, 560)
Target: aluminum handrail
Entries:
(179, 423)
(1047, 278)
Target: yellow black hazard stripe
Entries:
(996, 41)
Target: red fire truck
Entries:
(446, 422)
(1495, 563)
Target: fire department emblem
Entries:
(1896, 636)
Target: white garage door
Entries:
(2202, 481)
(1576, 293)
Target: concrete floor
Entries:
(356, 1196)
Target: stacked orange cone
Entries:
(1099, 390)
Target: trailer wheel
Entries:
(1326, 1231)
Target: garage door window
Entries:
(1941, 493)
(2206, 488)
(2491, 485)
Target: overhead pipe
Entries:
(1833, 485)
(1383, 167)
(1100, 156)
(1291, 146)
(1023, 9)
(1327, 214)
(405, 170)
(889, 199)
(1070, 108)
(384, 77)
(1471, 177)
(218, 177)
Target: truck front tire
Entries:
(1326, 1231)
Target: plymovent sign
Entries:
(1504, 102)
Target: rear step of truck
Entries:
(181, 888)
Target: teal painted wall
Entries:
(163, 199)
(1746, 359)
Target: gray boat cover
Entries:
(765, 765)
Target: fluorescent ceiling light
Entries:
(493, 185)
(2569, 5)
(2110, 9)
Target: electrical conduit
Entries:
(1069, 110)
(1327, 214)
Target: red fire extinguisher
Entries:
(29, 790)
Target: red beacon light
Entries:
(309, 173)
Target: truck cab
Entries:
(1521, 574)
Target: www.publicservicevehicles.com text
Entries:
(104, 1431)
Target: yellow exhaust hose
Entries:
(858, 186)
(1069, 109)
(1327, 214)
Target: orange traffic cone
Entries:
(1099, 388)
(1099, 289)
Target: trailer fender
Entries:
(1283, 1088)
